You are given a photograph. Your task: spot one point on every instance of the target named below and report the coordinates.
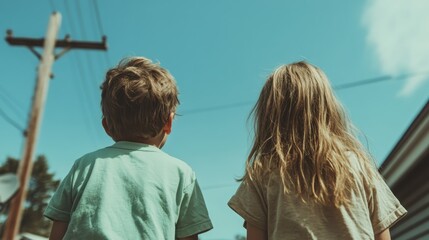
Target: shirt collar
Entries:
(134, 146)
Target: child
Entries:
(307, 176)
(131, 190)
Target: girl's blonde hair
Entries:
(303, 133)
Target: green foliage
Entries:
(240, 237)
(42, 186)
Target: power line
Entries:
(53, 8)
(86, 95)
(11, 121)
(11, 103)
(94, 21)
(337, 87)
(374, 80)
(216, 108)
(107, 59)
(98, 16)
(92, 70)
(80, 18)
(363, 82)
(9, 95)
(81, 23)
(70, 22)
(13, 109)
(100, 27)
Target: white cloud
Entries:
(398, 30)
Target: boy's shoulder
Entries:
(131, 151)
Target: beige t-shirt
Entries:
(284, 216)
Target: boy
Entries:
(131, 190)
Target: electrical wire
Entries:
(12, 104)
(83, 32)
(337, 87)
(11, 121)
(90, 97)
(86, 98)
(363, 82)
(80, 19)
(101, 29)
(216, 108)
(377, 80)
(70, 22)
(85, 93)
(53, 8)
(98, 16)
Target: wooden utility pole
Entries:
(49, 43)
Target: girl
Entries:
(307, 176)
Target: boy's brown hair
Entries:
(137, 99)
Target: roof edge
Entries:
(407, 150)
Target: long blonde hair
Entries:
(303, 133)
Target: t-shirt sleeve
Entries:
(248, 202)
(60, 205)
(193, 216)
(384, 207)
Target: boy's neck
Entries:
(157, 141)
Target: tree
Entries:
(240, 237)
(42, 186)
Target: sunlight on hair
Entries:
(303, 134)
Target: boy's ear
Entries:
(105, 126)
(168, 126)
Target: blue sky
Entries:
(220, 53)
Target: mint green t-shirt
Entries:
(130, 191)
